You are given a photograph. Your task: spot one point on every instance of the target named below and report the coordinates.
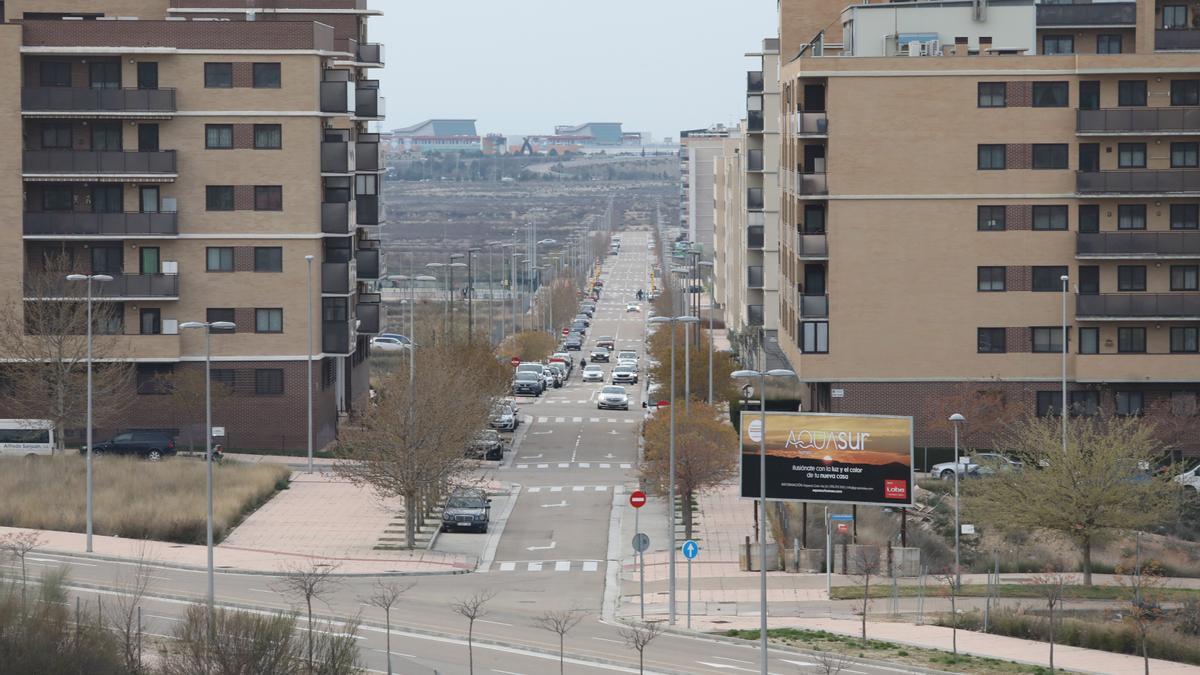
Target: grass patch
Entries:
(878, 650)
(134, 499)
(1011, 591)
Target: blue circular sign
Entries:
(690, 549)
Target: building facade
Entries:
(441, 135)
(938, 182)
(197, 151)
(698, 150)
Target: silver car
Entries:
(593, 374)
(624, 375)
(613, 398)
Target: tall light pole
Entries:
(437, 266)
(1064, 279)
(471, 295)
(762, 500)
(451, 266)
(671, 321)
(89, 278)
(957, 419)
(308, 302)
(208, 327)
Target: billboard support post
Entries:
(828, 557)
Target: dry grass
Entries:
(135, 499)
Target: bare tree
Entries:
(560, 623)
(19, 545)
(949, 580)
(1143, 581)
(639, 636)
(311, 581)
(1050, 586)
(830, 662)
(124, 611)
(988, 415)
(385, 595)
(527, 346)
(186, 390)
(472, 609)
(865, 565)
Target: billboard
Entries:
(826, 457)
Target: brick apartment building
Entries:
(197, 151)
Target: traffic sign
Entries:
(566, 332)
(641, 542)
(638, 499)
(516, 361)
(841, 516)
(663, 404)
(690, 549)
(843, 528)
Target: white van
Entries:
(22, 438)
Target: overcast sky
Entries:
(522, 66)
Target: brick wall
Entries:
(243, 136)
(1019, 94)
(243, 259)
(1018, 340)
(243, 198)
(1018, 278)
(1018, 217)
(1019, 156)
(222, 35)
(243, 75)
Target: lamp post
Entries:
(471, 295)
(89, 278)
(208, 327)
(711, 311)
(762, 499)
(437, 266)
(957, 419)
(519, 300)
(1064, 279)
(308, 300)
(672, 320)
(450, 289)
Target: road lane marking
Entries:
(542, 548)
(562, 566)
(543, 466)
(564, 465)
(534, 567)
(508, 566)
(590, 565)
(578, 488)
(576, 419)
(585, 465)
(554, 506)
(557, 488)
(535, 489)
(619, 642)
(497, 623)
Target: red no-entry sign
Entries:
(843, 528)
(516, 361)
(637, 499)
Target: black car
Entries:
(579, 327)
(583, 319)
(467, 510)
(600, 355)
(153, 445)
(487, 444)
(528, 383)
(573, 343)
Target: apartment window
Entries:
(1058, 44)
(268, 259)
(1185, 339)
(1130, 403)
(1131, 340)
(1048, 278)
(991, 218)
(224, 378)
(268, 136)
(1050, 155)
(1131, 155)
(1174, 16)
(107, 136)
(1089, 157)
(218, 75)
(1050, 217)
(150, 321)
(58, 198)
(1185, 216)
(268, 321)
(56, 136)
(1050, 95)
(267, 76)
(1131, 277)
(992, 94)
(218, 136)
(1185, 155)
(218, 198)
(268, 381)
(215, 314)
(1089, 217)
(220, 259)
(1184, 403)
(55, 73)
(152, 378)
(1085, 403)
(814, 219)
(108, 199)
(1185, 92)
(1089, 279)
(1047, 339)
(1048, 403)
(1108, 43)
(1089, 95)
(991, 156)
(268, 198)
(1131, 216)
(368, 184)
(816, 337)
(992, 341)
(1089, 340)
(1185, 277)
(1131, 93)
(991, 279)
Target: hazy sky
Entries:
(522, 66)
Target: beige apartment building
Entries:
(197, 151)
(945, 163)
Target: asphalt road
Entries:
(558, 549)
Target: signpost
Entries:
(690, 550)
(843, 521)
(641, 542)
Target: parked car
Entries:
(504, 417)
(613, 398)
(560, 372)
(402, 338)
(588, 310)
(565, 358)
(989, 462)
(468, 509)
(487, 444)
(633, 307)
(606, 341)
(528, 383)
(624, 375)
(579, 327)
(627, 354)
(573, 343)
(600, 355)
(550, 377)
(152, 445)
(593, 374)
(388, 344)
(1189, 478)
(583, 319)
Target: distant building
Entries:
(594, 133)
(439, 135)
(495, 144)
(698, 150)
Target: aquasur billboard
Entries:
(825, 457)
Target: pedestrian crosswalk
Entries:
(546, 419)
(576, 465)
(548, 565)
(567, 488)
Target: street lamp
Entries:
(89, 278)
(711, 311)
(471, 295)
(436, 266)
(672, 320)
(308, 300)
(762, 498)
(208, 327)
(956, 419)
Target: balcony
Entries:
(754, 236)
(810, 124)
(811, 184)
(336, 337)
(80, 101)
(812, 246)
(1123, 306)
(371, 53)
(754, 81)
(55, 164)
(370, 210)
(1105, 14)
(754, 121)
(1176, 39)
(337, 157)
(55, 224)
(337, 217)
(337, 278)
(754, 276)
(370, 314)
(814, 306)
(754, 199)
(370, 263)
(1101, 245)
(1138, 181)
(125, 287)
(754, 161)
(337, 97)
(368, 154)
(754, 315)
(368, 104)
(1135, 121)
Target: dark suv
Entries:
(487, 444)
(467, 509)
(153, 445)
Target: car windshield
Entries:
(622, 369)
(629, 355)
(465, 502)
(613, 390)
(605, 338)
(526, 375)
(594, 369)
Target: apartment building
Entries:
(697, 150)
(197, 151)
(945, 163)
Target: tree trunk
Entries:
(1052, 637)
(1086, 545)
(412, 509)
(1145, 653)
(471, 647)
(687, 515)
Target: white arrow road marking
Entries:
(610, 456)
(538, 456)
(726, 666)
(541, 433)
(613, 432)
(551, 506)
(542, 548)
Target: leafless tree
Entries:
(1143, 582)
(949, 580)
(560, 623)
(639, 636)
(386, 595)
(472, 609)
(1050, 586)
(132, 584)
(19, 545)
(311, 581)
(186, 391)
(865, 565)
(830, 662)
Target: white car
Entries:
(624, 375)
(633, 307)
(1190, 478)
(613, 398)
(593, 374)
(627, 354)
(388, 344)
(630, 363)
